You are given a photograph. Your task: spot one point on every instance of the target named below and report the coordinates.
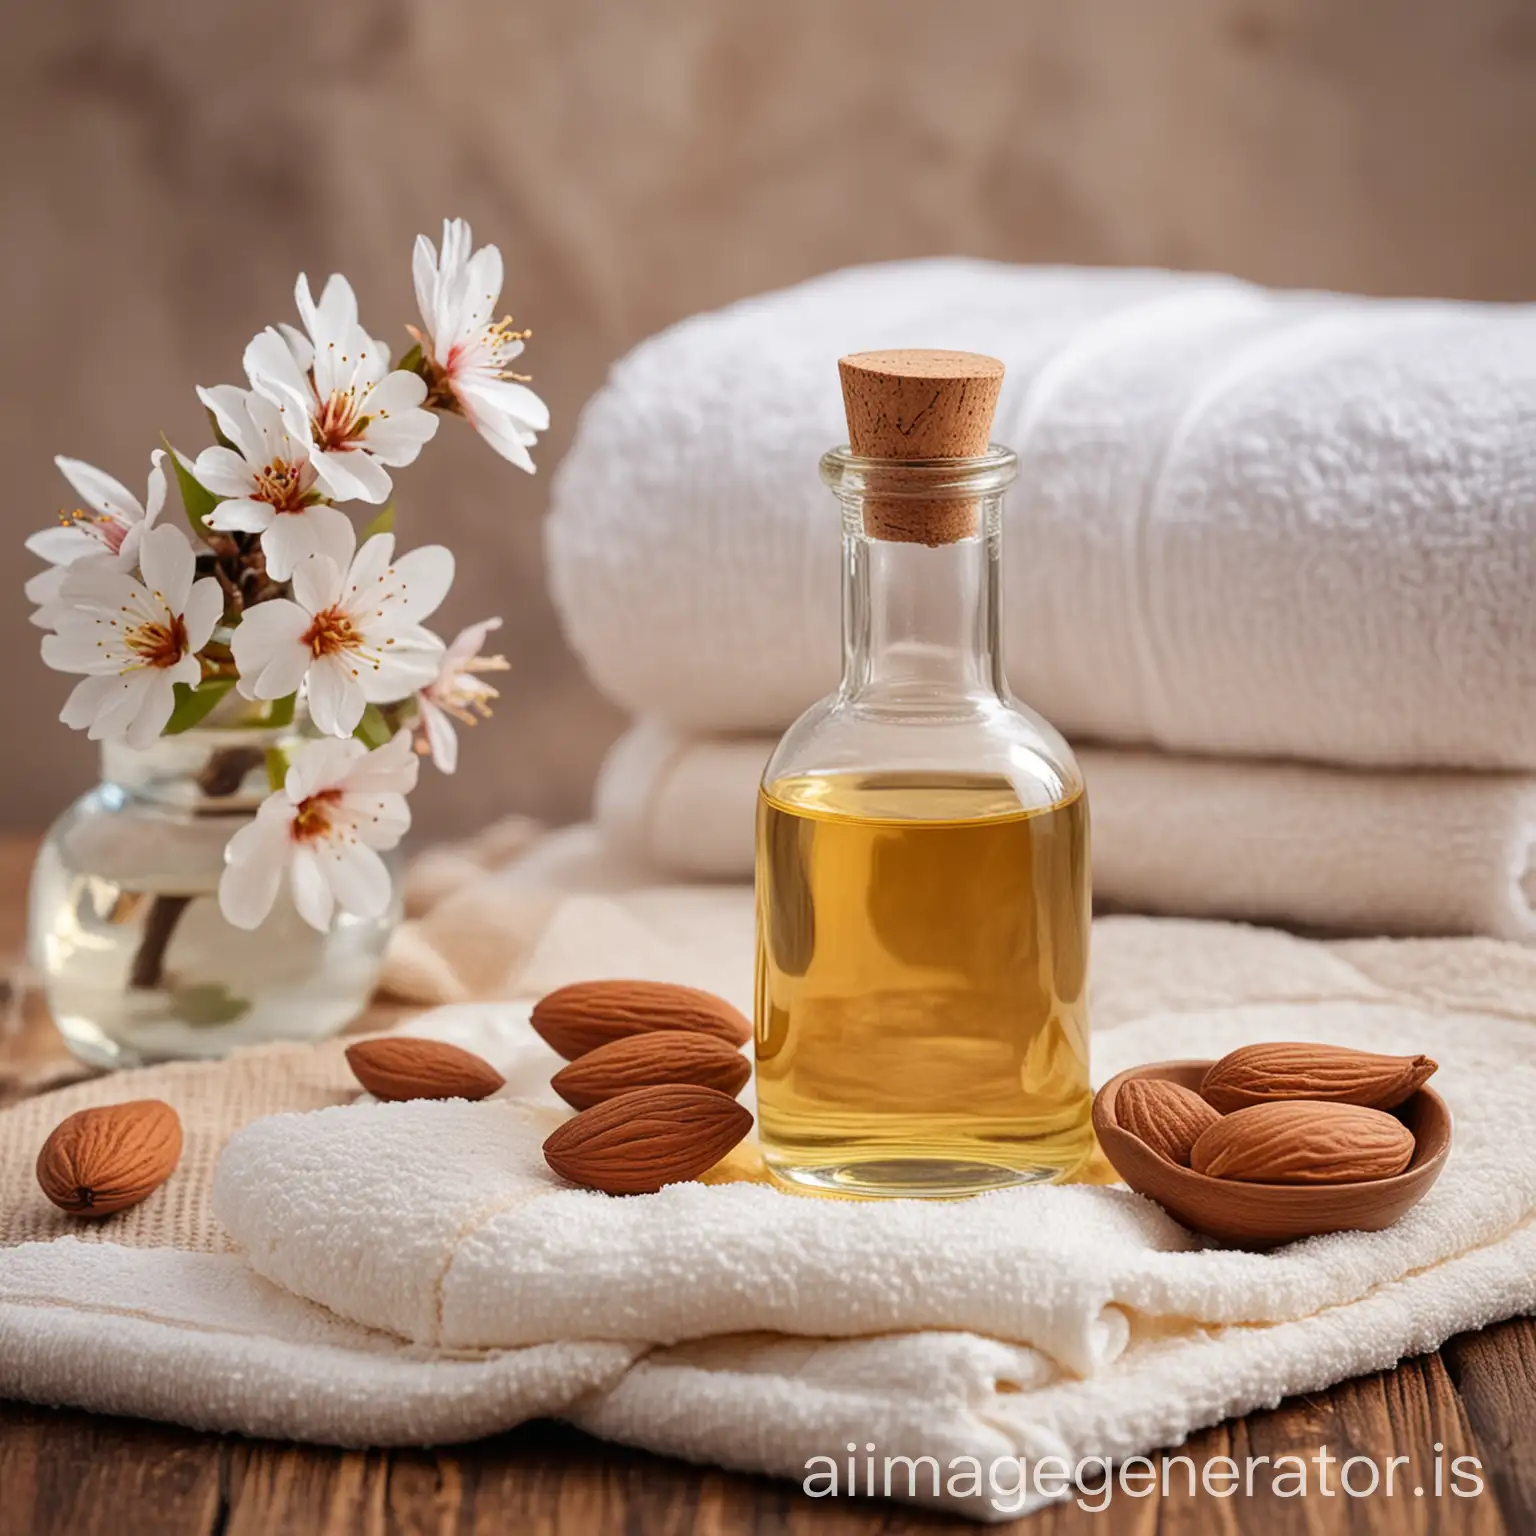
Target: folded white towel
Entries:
(1345, 849)
(1246, 522)
(472, 1243)
(1090, 1324)
(197, 1339)
(210, 1345)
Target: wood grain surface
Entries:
(64, 1473)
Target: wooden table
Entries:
(77, 1473)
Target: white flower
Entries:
(134, 640)
(360, 415)
(269, 478)
(457, 691)
(114, 525)
(468, 351)
(339, 805)
(352, 632)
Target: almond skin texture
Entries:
(103, 1160)
(399, 1067)
(1300, 1141)
(1167, 1116)
(635, 1143)
(1259, 1074)
(581, 1017)
(647, 1061)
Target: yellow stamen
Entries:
(330, 631)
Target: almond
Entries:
(1167, 1116)
(1258, 1074)
(103, 1160)
(1302, 1141)
(402, 1067)
(581, 1017)
(635, 1143)
(646, 1061)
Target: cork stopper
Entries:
(919, 404)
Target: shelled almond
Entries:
(1167, 1116)
(1284, 1069)
(650, 1061)
(581, 1017)
(641, 1140)
(396, 1067)
(1303, 1141)
(102, 1160)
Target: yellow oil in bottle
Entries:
(921, 983)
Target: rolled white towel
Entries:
(1336, 848)
(1246, 522)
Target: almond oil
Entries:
(922, 838)
(921, 983)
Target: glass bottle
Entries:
(135, 958)
(922, 844)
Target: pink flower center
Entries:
(312, 820)
(105, 526)
(462, 694)
(481, 353)
(338, 423)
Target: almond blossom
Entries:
(458, 692)
(134, 639)
(339, 807)
(466, 352)
(351, 634)
(114, 525)
(276, 596)
(268, 478)
(360, 415)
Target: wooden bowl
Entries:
(1261, 1215)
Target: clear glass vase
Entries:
(135, 958)
(922, 875)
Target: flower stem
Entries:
(221, 775)
(148, 969)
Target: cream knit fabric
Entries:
(212, 1099)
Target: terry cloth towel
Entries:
(1331, 848)
(1246, 523)
(1120, 1330)
(151, 1313)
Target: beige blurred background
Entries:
(170, 165)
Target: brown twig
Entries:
(221, 775)
(148, 969)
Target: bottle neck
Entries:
(920, 579)
(920, 622)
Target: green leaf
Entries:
(194, 704)
(277, 768)
(373, 729)
(411, 362)
(383, 523)
(205, 1005)
(280, 711)
(219, 435)
(198, 500)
